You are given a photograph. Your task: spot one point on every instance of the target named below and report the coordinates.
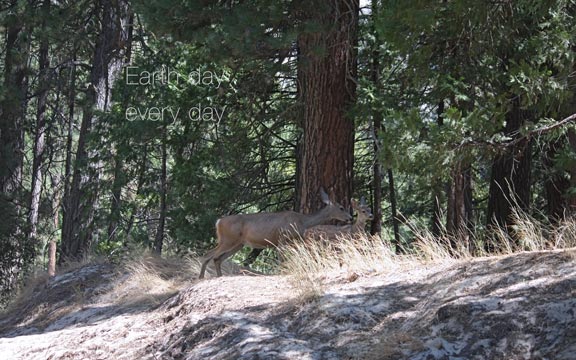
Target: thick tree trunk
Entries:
(106, 66)
(326, 75)
(326, 91)
(511, 174)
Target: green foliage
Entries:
(475, 58)
(240, 162)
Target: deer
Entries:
(332, 232)
(263, 230)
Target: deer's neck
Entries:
(317, 218)
(358, 226)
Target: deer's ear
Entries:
(353, 203)
(324, 197)
(362, 200)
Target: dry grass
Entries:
(149, 279)
(564, 235)
(309, 263)
(42, 299)
(39, 279)
(530, 234)
(144, 280)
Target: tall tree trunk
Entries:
(394, 211)
(376, 224)
(139, 184)
(159, 238)
(327, 89)
(115, 199)
(571, 109)
(13, 252)
(510, 179)
(437, 186)
(556, 185)
(570, 196)
(106, 66)
(40, 130)
(69, 137)
(119, 181)
(459, 209)
(52, 247)
(67, 176)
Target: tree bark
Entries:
(159, 238)
(52, 246)
(394, 212)
(106, 66)
(511, 174)
(376, 224)
(556, 185)
(119, 181)
(459, 209)
(115, 200)
(437, 186)
(327, 90)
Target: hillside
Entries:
(520, 306)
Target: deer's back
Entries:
(260, 229)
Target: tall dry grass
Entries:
(149, 280)
(309, 263)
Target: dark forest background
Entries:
(450, 116)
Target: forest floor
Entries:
(520, 306)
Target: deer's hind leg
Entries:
(223, 256)
(209, 256)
